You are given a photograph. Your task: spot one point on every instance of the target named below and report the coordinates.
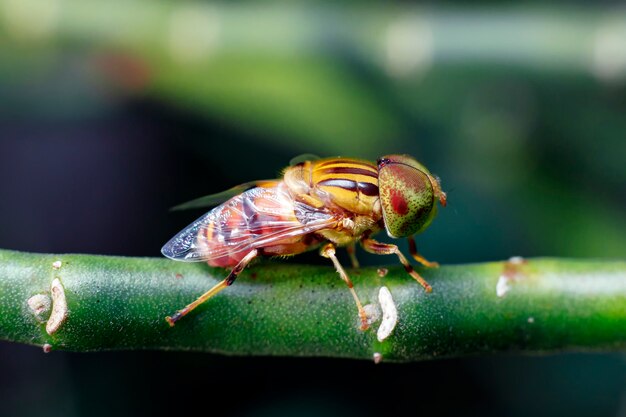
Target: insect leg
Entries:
(419, 258)
(216, 288)
(328, 251)
(372, 246)
(351, 249)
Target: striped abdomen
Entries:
(266, 219)
(350, 184)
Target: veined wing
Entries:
(256, 218)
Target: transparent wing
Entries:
(302, 158)
(257, 218)
(218, 198)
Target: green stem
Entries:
(284, 309)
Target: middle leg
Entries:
(328, 251)
(351, 253)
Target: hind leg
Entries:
(227, 282)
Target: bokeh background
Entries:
(113, 111)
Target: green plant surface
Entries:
(115, 303)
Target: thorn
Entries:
(59, 307)
(390, 314)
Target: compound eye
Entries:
(406, 197)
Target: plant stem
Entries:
(544, 305)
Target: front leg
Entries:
(378, 248)
(419, 258)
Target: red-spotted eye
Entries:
(406, 194)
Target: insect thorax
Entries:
(350, 185)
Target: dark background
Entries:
(112, 112)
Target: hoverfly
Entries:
(326, 203)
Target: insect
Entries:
(325, 203)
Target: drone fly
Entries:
(325, 203)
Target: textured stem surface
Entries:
(102, 303)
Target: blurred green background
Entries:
(113, 111)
